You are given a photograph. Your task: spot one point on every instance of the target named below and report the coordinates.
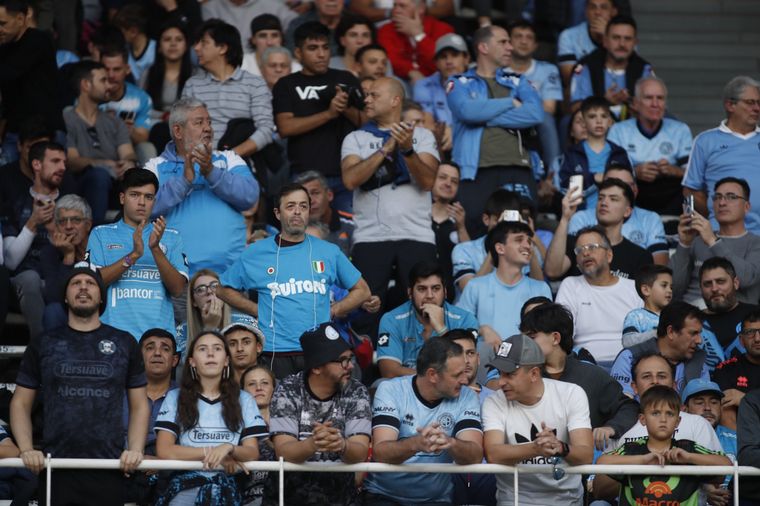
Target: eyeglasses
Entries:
(201, 290)
(344, 362)
(748, 101)
(590, 248)
(750, 333)
(728, 197)
(73, 220)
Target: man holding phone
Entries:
(390, 165)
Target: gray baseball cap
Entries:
(517, 351)
(251, 326)
(450, 41)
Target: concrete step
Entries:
(701, 51)
(697, 7)
(725, 66)
(696, 24)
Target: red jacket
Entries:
(404, 56)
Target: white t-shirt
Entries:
(563, 406)
(598, 313)
(391, 213)
(692, 427)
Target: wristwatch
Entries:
(565, 450)
(127, 262)
(408, 152)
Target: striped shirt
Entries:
(241, 96)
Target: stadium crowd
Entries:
(332, 231)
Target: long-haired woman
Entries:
(208, 419)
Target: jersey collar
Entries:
(724, 128)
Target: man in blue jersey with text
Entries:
(404, 330)
(292, 273)
(428, 418)
(202, 191)
(728, 150)
(496, 298)
(657, 146)
(141, 280)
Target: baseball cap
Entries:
(517, 351)
(700, 386)
(251, 326)
(321, 345)
(450, 41)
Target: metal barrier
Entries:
(281, 466)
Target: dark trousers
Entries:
(283, 364)
(90, 487)
(473, 193)
(376, 261)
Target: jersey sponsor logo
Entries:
(383, 409)
(293, 287)
(114, 246)
(83, 369)
(309, 92)
(318, 266)
(211, 435)
(134, 293)
(142, 274)
(658, 489)
(107, 347)
(383, 340)
(742, 382)
(270, 270)
(71, 391)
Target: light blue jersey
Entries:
(134, 102)
(398, 406)
(138, 300)
(140, 66)
(544, 76)
(207, 211)
(431, 95)
(638, 326)
(211, 430)
(574, 43)
(622, 371)
(293, 283)
(497, 304)
(643, 228)
(467, 257)
(580, 83)
(671, 142)
(400, 335)
(235, 317)
(719, 153)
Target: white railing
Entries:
(281, 467)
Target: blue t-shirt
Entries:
(574, 43)
(400, 335)
(643, 228)
(639, 325)
(138, 300)
(399, 406)
(135, 102)
(596, 164)
(293, 283)
(720, 153)
(431, 95)
(544, 77)
(580, 84)
(671, 142)
(622, 371)
(140, 65)
(497, 304)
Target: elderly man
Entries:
(658, 147)
(410, 39)
(728, 149)
(202, 191)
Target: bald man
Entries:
(390, 166)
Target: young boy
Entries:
(660, 407)
(133, 24)
(654, 285)
(590, 157)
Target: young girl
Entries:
(259, 381)
(210, 420)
